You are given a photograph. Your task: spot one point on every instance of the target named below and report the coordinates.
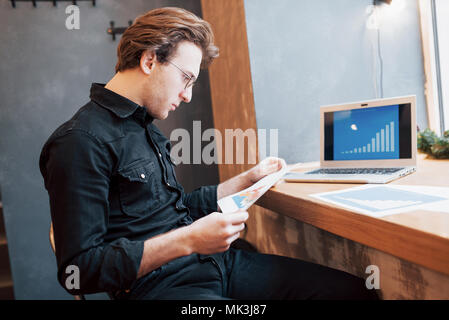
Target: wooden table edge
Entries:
(423, 248)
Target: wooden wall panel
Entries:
(230, 78)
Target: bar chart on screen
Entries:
(366, 134)
(382, 141)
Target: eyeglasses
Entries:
(190, 79)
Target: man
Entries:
(120, 215)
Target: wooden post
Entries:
(230, 79)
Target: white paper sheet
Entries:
(382, 200)
(244, 199)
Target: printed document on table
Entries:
(383, 200)
(244, 199)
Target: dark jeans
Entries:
(239, 274)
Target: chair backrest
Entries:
(52, 243)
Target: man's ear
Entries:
(148, 61)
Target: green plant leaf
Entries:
(430, 143)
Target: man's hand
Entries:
(249, 177)
(216, 231)
(210, 234)
(265, 167)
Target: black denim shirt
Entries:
(112, 185)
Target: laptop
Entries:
(365, 142)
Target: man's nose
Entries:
(186, 95)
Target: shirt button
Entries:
(160, 155)
(142, 176)
(168, 184)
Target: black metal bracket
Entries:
(117, 30)
(13, 2)
(376, 2)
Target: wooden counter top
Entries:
(420, 236)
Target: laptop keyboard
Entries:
(356, 171)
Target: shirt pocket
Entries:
(138, 188)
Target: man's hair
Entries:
(160, 31)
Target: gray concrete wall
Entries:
(308, 53)
(45, 76)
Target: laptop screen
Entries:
(374, 133)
